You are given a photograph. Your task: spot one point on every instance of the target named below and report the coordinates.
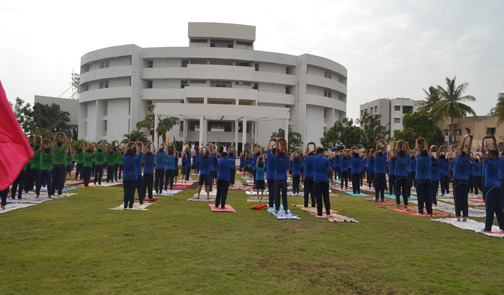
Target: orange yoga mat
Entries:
(227, 208)
(413, 210)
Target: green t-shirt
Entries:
(80, 158)
(111, 159)
(88, 159)
(59, 155)
(68, 159)
(46, 161)
(35, 164)
(100, 158)
(119, 158)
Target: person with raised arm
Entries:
(423, 176)
(380, 165)
(401, 180)
(435, 174)
(46, 162)
(130, 178)
(89, 158)
(223, 177)
(461, 179)
(111, 163)
(492, 194)
(296, 172)
(140, 184)
(160, 169)
(281, 166)
(392, 167)
(260, 176)
(309, 185)
(270, 173)
(171, 167)
(355, 162)
(100, 161)
(59, 165)
(232, 172)
(80, 161)
(370, 166)
(204, 173)
(148, 176)
(322, 172)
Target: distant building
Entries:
(391, 110)
(67, 105)
(478, 126)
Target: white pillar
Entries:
(244, 140)
(237, 126)
(287, 134)
(205, 122)
(256, 133)
(201, 125)
(156, 139)
(186, 126)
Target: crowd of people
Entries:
(145, 169)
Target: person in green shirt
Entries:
(35, 166)
(111, 162)
(80, 161)
(46, 162)
(120, 163)
(100, 161)
(88, 158)
(69, 160)
(59, 165)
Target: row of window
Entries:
(221, 43)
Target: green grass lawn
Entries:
(75, 245)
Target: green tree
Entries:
(451, 106)
(24, 114)
(135, 135)
(294, 141)
(372, 130)
(417, 125)
(343, 134)
(164, 125)
(433, 96)
(498, 110)
(49, 119)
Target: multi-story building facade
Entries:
(219, 68)
(391, 110)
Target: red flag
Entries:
(15, 151)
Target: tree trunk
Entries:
(453, 131)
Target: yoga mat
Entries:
(358, 195)
(228, 208)
(203, 198)
(180, 186)
(168, 193)
(413, 210)
(282, 216)
(337, 217)
(15, 206)
(136, 207)
(473, 212)
(472, 225)
(265, 199)
(379, 201)
(148, 200)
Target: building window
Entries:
(397, 120)
(287, 90)
(244, 43)
(397, 108)
(197, 82)
(184, 83)
(490, 131)
(376, 109)
(185, 62)
(407, 109)
(243, 64)
(327, 93)
(104, 64)
(105, 127)
(221, 84)
(256, 86)
(256, 67)
(221, 43)
(328, 75)
(199, 41)
(103, 84)
(371, 110)
(149, 83)
(150, 63)
(105, 108)
(242, 83)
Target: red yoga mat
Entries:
(412, 210)
(227, 208)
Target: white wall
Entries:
(314, 123)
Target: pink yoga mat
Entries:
(180, 186)
(228, 208)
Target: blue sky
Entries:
(391, 48)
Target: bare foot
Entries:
(276, 212)
(458, 218)
(464, 219)
(3, 207)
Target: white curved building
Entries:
(219, 83)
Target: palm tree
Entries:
(498, 110)
(135, 135)
(426, 108)
(451, 106)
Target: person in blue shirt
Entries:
(322, 172)
(160, 170)
(337, 167)
(461, 179)
(423, 177)
(370, 169)
(435, 177)
(223, 178)
(260, 177)
(148, 176)
(140, 184)
(281, 165)
(270, 172)
(130, 178)
(401, 180)
(471, 176)
(477, 173)
(494, 203)
(355, 162)
(296, 172)
(445, 176)
(413, 171)
(206, 159)
(392, 166)
(345, 166)
(380, 164)
(171, 167)
(232, 172)
(309, 188)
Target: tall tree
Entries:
(498, 110)
(49, 119)
(372, 130)
(343, 134)
(135, 135)
(294, 141)
(24, 114)
(417, 125)
(164, 125)
(451, 106)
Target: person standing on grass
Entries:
(80, 162)
(296, 172)
(380, 165)
(461, 179)
(401, 180)
(59, 166)
(206, 159)
(140, 185)
(111, 164)
(309, 184)
(171, 168)
(223, 180)
(46, 161)
(345, 166)
(281, 166)
(19, 182)
(88, 158)
(69, 160)
(392, 167)
(435, 177)
(160, 170)
(260, 177)
(3, 195)
(130, 178)
(492, 194)
(423, 177)
(355, 162)
(270, 172)
(322, 172)
(477, 172)
(100, 161)
(148, 176)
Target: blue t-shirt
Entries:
(309, 166)
(205, 164)
(345, 164)
(492, 173)
(435, 174)
(296, 167)
(423, 167)
(171, 162)
(337, 162)
(139, 164)
(149, 164)
(477, 169)
(130, 167)
(224, 169)
(413, 165)
(392, 166)
(259, 173)
(281, 165)
(321, 168)
(402, 166)
(380, 163)
(501, 167)
(370, 164)
(233, 161)
(356, 165)
(160, 160)
(270, 173)
(461, 167)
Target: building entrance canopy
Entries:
(217, 112)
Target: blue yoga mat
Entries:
(358, 195)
